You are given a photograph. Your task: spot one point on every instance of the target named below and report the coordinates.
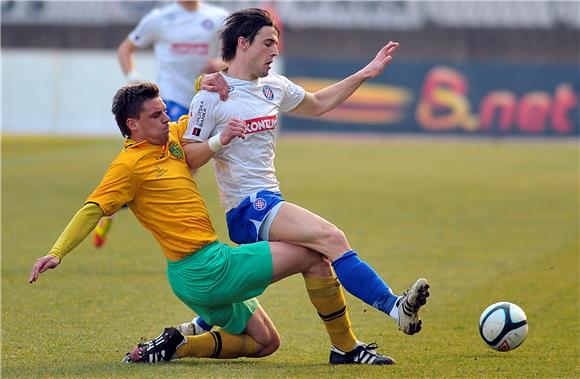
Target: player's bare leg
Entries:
(297, 225)
(326, 295)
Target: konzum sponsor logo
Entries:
(260, 124)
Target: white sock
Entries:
(394, 313)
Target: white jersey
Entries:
(244, 166)
(182, 41)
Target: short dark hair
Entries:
(128, 103)
(245, 23)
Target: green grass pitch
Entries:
(484, 221)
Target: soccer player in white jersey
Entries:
(184, 39)
(239, 135)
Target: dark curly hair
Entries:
(128, 103)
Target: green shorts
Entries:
(220, 282)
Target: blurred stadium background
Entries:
(470, 68)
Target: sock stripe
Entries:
(217, 338)
(333, 315)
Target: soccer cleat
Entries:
(409, 304)
(101, 230)
(361, 355)
(191, 328)
(159, 349)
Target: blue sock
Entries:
(203, 324)
(363, 282)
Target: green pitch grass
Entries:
(483, 221)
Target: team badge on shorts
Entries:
(175, 150)
(260, 204)
(268, 92)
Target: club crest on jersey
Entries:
(260, 204)
(175, 150)
(268, 92)
(260, 124)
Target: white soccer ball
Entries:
(503, 326)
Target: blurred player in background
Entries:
(215, 280)
(249, 189)
(184, 39)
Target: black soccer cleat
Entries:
(159, 349)
(361, 355)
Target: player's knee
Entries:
(319, 265)
(271, 345)
(336, 239)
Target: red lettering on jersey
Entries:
(189, 48)
(260, 124)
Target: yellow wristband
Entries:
(197, 86)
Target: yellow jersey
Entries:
(154, 180)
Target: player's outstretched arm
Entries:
(320, 102)
(79, 227)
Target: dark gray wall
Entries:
(561, 45)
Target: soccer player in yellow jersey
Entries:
(218, 282)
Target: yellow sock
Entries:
(218, 344)
(327, 297)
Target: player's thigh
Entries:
(300, 226)
(289, 259)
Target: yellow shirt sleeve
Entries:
(117, 188)
(79, 227)
(181, 127)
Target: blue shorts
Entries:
(174, 110)
(250, 222)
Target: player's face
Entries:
(263, 51)
(153, 123)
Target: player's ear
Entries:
(132, 125)
(243, 43)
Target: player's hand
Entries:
(42, 264)
(383, 58)
(133, 77)
(234, 128)
(216, 83)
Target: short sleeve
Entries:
(293, 94)
(202, 118)
(145, 33)
(115, 190)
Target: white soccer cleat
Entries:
(409, 304)
(191, 328)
